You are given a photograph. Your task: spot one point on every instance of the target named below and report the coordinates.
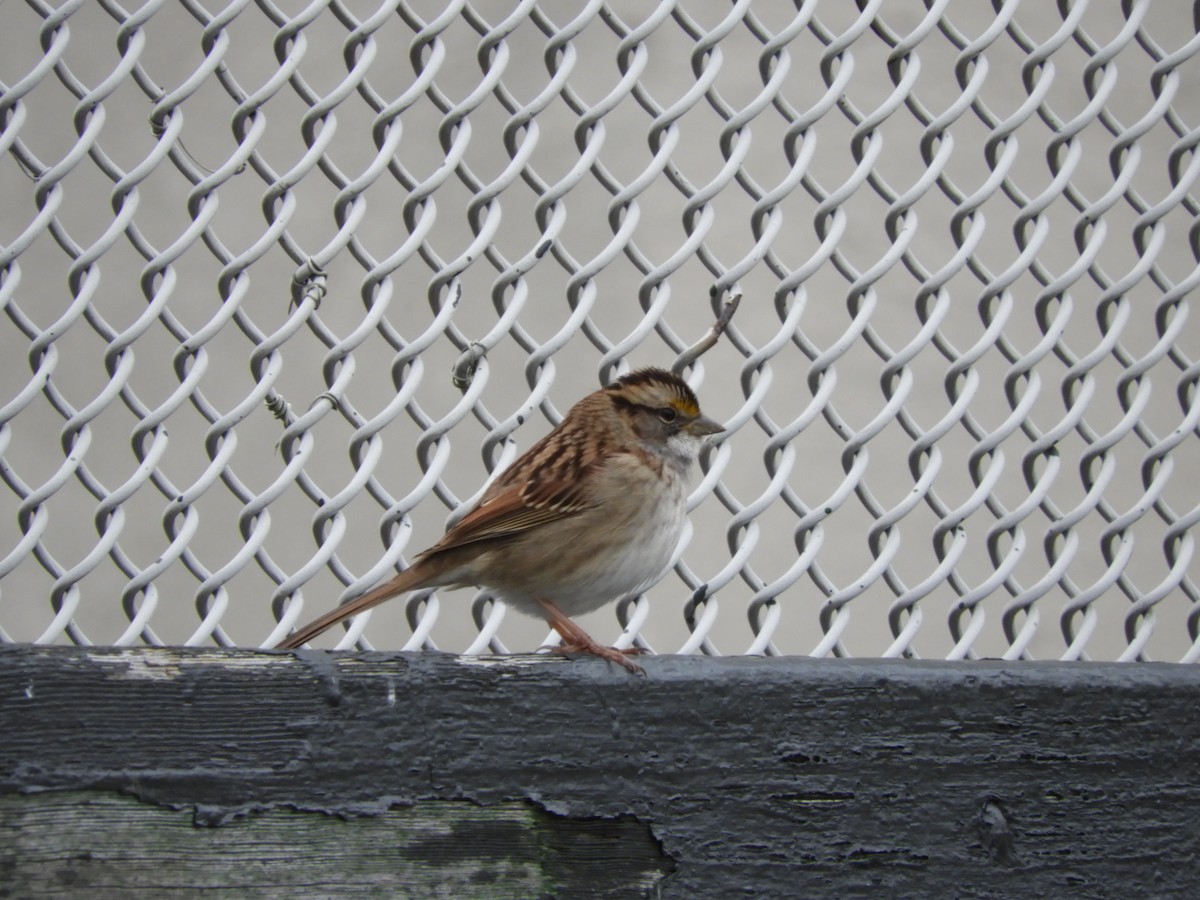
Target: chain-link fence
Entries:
(246, 247)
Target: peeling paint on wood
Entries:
(732, 777)
(87, 843)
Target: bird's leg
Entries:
(576, 640)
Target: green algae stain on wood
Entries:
(72, 842)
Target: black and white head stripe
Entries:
(655, 388)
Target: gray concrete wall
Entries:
(170, 46)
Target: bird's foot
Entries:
(576, 640)
(612, 654)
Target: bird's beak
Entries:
(703, 425)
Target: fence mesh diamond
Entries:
(283, 283)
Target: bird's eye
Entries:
(668, 414)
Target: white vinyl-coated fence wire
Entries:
(283, 283)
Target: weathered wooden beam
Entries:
(99, 843)
(320, 773)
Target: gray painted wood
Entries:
(708, 777)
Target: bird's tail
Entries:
(407, 580)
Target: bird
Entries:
(589, 514)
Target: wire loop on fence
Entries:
(961, 391)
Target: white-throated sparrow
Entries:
(589, 514)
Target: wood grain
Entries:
(708, 777)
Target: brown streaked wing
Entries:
(513, 510)
(545, 484)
